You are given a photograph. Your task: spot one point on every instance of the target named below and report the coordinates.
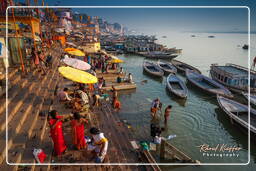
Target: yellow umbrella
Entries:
(116, 61)
(73, 51)
(77, 75)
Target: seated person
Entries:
(121, 70)
(84, 99)
(118, 79)
(129, 79)
(63, 95)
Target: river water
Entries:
(198, 120)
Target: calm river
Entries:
(198, 120)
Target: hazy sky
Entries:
(146, 20)
(173, 19)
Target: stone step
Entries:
(39, 131)
(29, 122)
(26, 131)
(20, 95)
(16, 123)
(14, 90)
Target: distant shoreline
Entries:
(237, 32)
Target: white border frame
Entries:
(136, 164)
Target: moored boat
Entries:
(207, 84)
(238, 112)
(152, 69)
(160, 55)
(252, 97)
(234, 77)
(176, 86)
(181, 66)
(167, 67)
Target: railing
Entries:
(168, 151)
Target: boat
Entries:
(193, 35)
(167, 67)
(207, 84)
(211, 36)
(181, 66)
(152, 69)
(234, 77)
(252, 97)
(176, 86)
(245, 46)
(238, 112)
(160, 55)
(164, 36)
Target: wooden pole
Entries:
(16, 35)
(162, 149)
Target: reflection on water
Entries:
(197, 120)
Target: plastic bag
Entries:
(39, 155)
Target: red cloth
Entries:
(41, 156)
(78, 134)
(36, 60)
(117, 104)
(57, 136)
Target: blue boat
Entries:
(234, 77)
(176, 86)
(207, 84)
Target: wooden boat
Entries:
(234, 77)
(252, 97)
(181, 66)
(167, 67)
(207, 84)
(152, 69)
(238, 112)
(176, 86)
(160, 55)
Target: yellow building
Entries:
(91, 47)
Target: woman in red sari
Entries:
(55, 123)
(78, 131)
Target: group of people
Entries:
(156, 106)
(155, 129)
(41, 59)
(98, 144)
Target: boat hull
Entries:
(181, 67)
(225, 104)
(170, 69)
(207, 84)
(226, 77)
(174, 81)
(149, 66)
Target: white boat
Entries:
(238, 112)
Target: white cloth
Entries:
(83, 96)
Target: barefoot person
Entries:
(167, 113)
(55, 123)
(78, 131)
(155, 106)
(100, 144)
